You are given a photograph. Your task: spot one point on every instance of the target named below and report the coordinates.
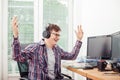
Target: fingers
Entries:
(14, 20)
(80, 28)
(14, 17)
(79, 32)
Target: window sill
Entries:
(12, 75)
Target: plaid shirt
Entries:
(38, 60)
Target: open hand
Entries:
(15, 26)
(79, 33)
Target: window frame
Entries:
(0, 39)
(4, 58)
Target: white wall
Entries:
(98, 17)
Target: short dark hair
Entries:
(54, 27)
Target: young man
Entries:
(45, 57)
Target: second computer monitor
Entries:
(116, 45)
(99, 47)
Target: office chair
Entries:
(23, 68)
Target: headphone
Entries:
(46, 33)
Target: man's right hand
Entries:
(15, 27)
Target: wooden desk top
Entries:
(95, 74)
(105, 75)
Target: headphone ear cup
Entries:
(46, 34)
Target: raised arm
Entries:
(18, 54)
(74, 53)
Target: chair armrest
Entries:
(67, 76)
(22, 78)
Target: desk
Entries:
(94, 74)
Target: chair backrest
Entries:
(23, 69)
(23, 66)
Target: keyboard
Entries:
(82, 66)
(78, 65)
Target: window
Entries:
(24, 10)
(57, 11)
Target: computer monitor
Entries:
(116, 45)
(99, 47)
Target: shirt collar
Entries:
(42, 42)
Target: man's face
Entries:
(55, 36)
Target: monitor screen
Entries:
(99, 47)
(116, 45)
